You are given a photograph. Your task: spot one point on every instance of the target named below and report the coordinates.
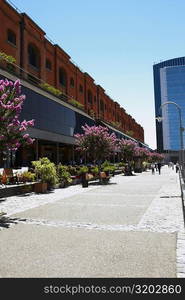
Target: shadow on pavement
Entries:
(7, 221)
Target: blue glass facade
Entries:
(52, 116)
(169, 85)
(173, 89)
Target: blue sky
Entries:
(116, 42)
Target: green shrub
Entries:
(94, 170)
(28, 176)
(10, 59)
(50, 89)
(121, 164)
(45, 170)
(83, 170)
(105, 164)
(72, 170)
(109, 168)
(63, 174)
(76, 103)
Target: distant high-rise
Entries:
(169, 85)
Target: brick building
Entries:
(39, 61)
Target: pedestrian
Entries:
(177, 167)
(159, 167)
(153, 168)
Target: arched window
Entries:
(72, 83)
(89, 96)
(62, 77)
(11, 37)
(33, 56)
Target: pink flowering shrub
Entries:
(12, 134)
(96, 141)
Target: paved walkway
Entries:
(132, 227)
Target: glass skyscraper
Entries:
(169, 85)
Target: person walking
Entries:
(177, 167)
(153, 168)
(159, 167)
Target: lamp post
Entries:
(181, 129)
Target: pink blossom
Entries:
(11, 129)
(30, 123)
(30, 140)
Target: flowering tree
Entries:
(12, 131)
(141, 157)
(96, 141)
(156, 157)
(142, 153)
(127, 148)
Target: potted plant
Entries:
(28, 176)
(46, 173)
(107, 168)
(94, 170)
(63, 175)
(83, 173)
(72, 170)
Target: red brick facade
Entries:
(23, 39)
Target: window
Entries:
(80, 88)
(72, 83)
(33, 56)
(94, 99)
(62, 77)
(48, 64)
(11, 37)
(101, 105)
(89, 96)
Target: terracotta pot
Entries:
(40, 187)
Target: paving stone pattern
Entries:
(157, 211)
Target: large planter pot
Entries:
(40, 187)
(107, 173)
(84, 180)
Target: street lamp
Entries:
(181, 129)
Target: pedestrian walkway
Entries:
(132, 227)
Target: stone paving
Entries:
(143, 210)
